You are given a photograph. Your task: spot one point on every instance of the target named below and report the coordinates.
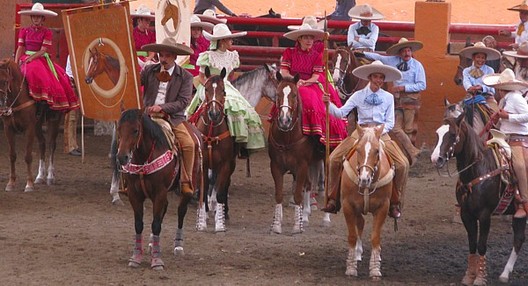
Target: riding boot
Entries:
(522, 210)
(331, 203)
(394, 209)
(406, 145)
(244, 153)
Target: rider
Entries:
(374, 105)
(521, 32)
(202, 5)
(513, 122)
(168, 90)
(363, 35)
(199, 43)
(143, 35)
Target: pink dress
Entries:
(43, 84)
(305, 63)
(199, 46)
(141, 39)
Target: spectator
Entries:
(201, 5)
(143, 35)
(199, 43)
(521, 32)
(363, 35)
(341, 10)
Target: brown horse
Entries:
(366, 184)
(171, 12)
(100, 62)
(291, 151)
(220, 150)
(150, 168)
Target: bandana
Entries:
(163, 76)
(363, 30)
(373, 99)
(403, 66)
(476, 73)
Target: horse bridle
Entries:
(340, 84)
(9, 110)
(451, 152)
(295, 119)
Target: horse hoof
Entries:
(133, 264)
(50, 182)
(9, 188)
(351, 272)
(220, 232)
(39, 180)
(276, 229)
(117, 202)
(504, 279)
(158, 268)
(201, 228)
(178, 251)
(297, 231)
(375, 278)
(157, 264)
(326, 223)
(28, 189)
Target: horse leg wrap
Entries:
(220, 218)
(298, 220)
(276, 226)
(482, 272)
(375, 263)
(201, 219)
(137, 254)
(156, 262)
(351, 263)
(178, 242)
(471, 272)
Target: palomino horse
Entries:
(171, 12)
(151, 169)
(366, 184)
(21, 114)
(291, 151)
(220, 151)
(480, 193)
(100, 62)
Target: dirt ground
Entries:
(70, 234)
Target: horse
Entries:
(479, 193)
(257, 83)
(150, 168)
(291, 151)
(171, 12)
(475, 114)
(366, 184)
(100, 62)
(20, 113)
(259, 41)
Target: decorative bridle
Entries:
(450, 154)
(9, 110)
(340, 84)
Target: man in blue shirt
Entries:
(363, 35)
(341, 10)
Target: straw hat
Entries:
(142, 12)
(168, 45)
(404, 43)
(479, 47)
(310, 20)
(521, 52)
(304, 29)
(221, 31)
(38, 10)
(365, 12)
(197, 23)
(391, 73)
(521, 7)
(505, 81)
(209, 16)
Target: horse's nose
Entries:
(88, 80)
(439, 162)
(214, 115)
(122, 160)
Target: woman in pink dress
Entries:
(199, 43)
(306, 61)
(46, 80)
(143, 35)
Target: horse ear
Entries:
(296, 78)
(360, 131)
(223, 73)
(334, 45)
(446, 102)
(278, 75)
(460, 118)
(207, 72)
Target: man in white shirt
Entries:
(363, 35)
(521, 31)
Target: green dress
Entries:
(243, 121)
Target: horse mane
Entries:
(476, 147)
(14, 70)
(251, 85)
(153, 129)
(112, 61)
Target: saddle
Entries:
(166, 126)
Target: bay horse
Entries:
(99, 63)
(479, 192)
(171, 12)
(20, 113)
(291, 151)
(366, 186)
(150, 168)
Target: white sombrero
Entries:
(521, 52)
(391, 73)
(479, 47)
(505, 81)
(38, 10)
(304, 29)
(521, 7)
(197, 23)
(209, 16)
(404, 43)
(143, 12)
(310, 20)
(168, 45)
(365, 12)
(221, 31)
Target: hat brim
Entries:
(294, 35)
(178, 49)
(320, 26)
(521, 7)
(491, 54)
(209, 19)
(391, 73)
(355, 13)
(514, 54)
(46, 13)
(210, 37)
(493, 81)
(204, 25)
(395, 49)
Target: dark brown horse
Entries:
(151, 169)
(291, 151)
(220, 150)
(479, 193)
(99, 63)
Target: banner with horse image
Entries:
(103, 59)
(173, 20)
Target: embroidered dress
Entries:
(46, 80)
(305, 63)
(243, 121)
(199, 46)
(141, 39)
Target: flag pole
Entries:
(327, 105)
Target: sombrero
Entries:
(391, 73)
(479, 47)
(365, 12)
(168, 45)
(209, 16)
(197, 23)
(404, 43)
(521, 7)
(38, 10)
(142, 12)
(221, 31)
(521, 52)
(304, 29)
(505, 81)
(310, 20)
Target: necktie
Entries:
(363, 30)
(476, 73)
(373, 99)
(163, 76)
(403, 66)
(520, 29)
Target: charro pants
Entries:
(183, 136)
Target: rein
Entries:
(341, 81)
(209, 139)
(285, 147)
(8, 111)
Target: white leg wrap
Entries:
(375, 263)
(220, 218)
(201, 219)
(351, 263)
(276, 226)
(505, 276)
(298, 223)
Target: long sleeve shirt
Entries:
(517, 107)
(341, 10)
(470, 81)
(201, 5)
(523, 37)
(365, 41)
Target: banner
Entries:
(103, 59)
(173, 20)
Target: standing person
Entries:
(70, 120)
(143, 35)
(306, 61)
(47, 81)
(341, 10)
(521, 31)
(168, 90)
(363, 35)
(201, 5)
(199, 43)
(243, 121)
(374, 105)
(513, 122)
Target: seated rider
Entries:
(374, 105)
(167, 89)
(363, 35)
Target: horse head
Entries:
(5, 82)
(452, 110)
(129, 132)
(368, 153)
(341, 66)
(171, 12)
(94, 65)
(215, 96)
(288, 102)
(449, 137)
